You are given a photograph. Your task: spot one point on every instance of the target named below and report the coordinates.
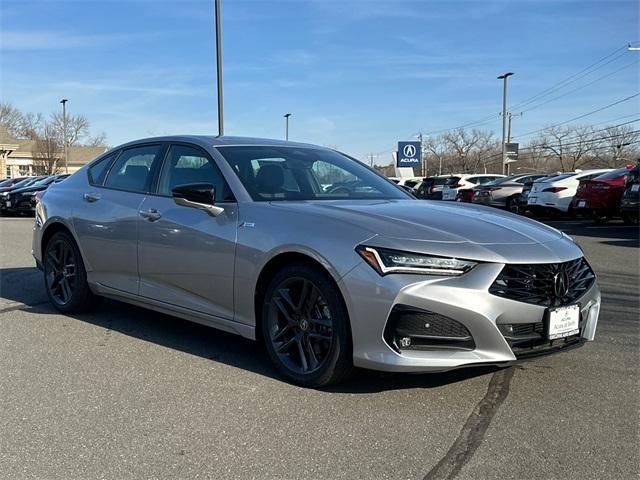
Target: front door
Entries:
(185, 255)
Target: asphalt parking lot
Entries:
(126, 393)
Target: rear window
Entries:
(618, 172)
(452, 181)
(97, 170)
(559, 177)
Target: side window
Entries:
(98, 170)
(131, 170)
(474, 180)
(186, 165)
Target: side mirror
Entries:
(197, 195)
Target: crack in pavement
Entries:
(474, 429)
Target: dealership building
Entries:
(17, 156)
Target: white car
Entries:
(466, 181)
(555, 194)
(410, 182)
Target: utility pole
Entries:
(511, 115)
(504, 78)
(286, 126)
(219, 68)
(64, 134)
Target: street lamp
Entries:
(219, 68)
(286, 125)
(504, 77)
(64, 134)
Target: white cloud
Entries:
(52, 40)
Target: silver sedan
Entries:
(309, 251)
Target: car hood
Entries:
(461, 230)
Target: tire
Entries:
(308, 341)
(629, 219)
(65, 278)
(600, 218)
(513, 205)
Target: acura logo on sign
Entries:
(409, 151)
(560, 284)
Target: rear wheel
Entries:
(305, 327)
(629, 219)
(65, 276)
(600, 217)
(513, 205)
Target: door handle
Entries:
(152, 214)
(91, 197)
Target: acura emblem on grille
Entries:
(561, 284)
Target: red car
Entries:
(600, 197)
(464, 195)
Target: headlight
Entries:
(386, 261)
(5, 194)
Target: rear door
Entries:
(106, 217)
(186, 256)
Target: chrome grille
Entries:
(550, 284)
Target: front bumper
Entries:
(466, 299)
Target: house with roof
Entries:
(18, 157)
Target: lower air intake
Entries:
(409, 328)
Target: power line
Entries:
(580, 87)
(579, 116)
(603, 129)
(572, 78)
(585, 142)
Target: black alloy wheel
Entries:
(65, 276)
(305, 327)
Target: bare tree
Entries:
(569, 145)
(615, 145)
(436, 149)
(47, 151)
(98, 140)
(469, 148)
(77, 127)
(11, 118)
(534, 157)
(30, 125)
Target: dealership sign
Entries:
(409, 154)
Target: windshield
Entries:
(559, 177)
(451, 181)
(292, 173)
(26, 182)
(43, 181)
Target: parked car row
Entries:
(20, 195)
(599, 193)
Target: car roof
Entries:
(217, 141)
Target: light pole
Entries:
(504, 77)
(286, 125)
(219, 68)
(64, 134)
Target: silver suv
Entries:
(309, 251)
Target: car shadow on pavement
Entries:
(23, 289)
(615, 233)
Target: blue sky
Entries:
(357, 75)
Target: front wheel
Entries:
(305, 327)
(65, 276)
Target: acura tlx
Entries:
(326, 262)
